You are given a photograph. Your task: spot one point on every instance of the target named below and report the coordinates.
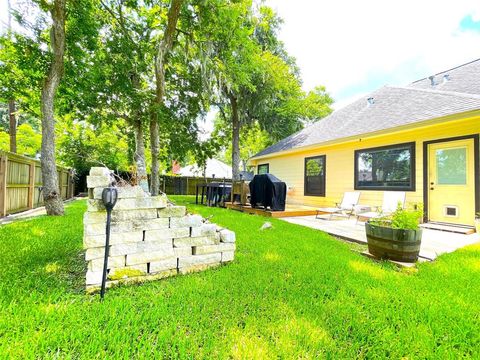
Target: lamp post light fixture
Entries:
(109, 198)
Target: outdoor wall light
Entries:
(109, 198)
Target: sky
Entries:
(354, 47)
(3, 15)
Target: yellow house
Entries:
(422, 139)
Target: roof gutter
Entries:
(443, 119)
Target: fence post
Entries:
(62, 185)
(59, 178)
(31, 185)
(3, 184)
(67, 191)
(62, 172)
(71, 184)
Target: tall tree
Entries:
(257, 82)
(116, 84)
(121, 82)
(11, 101)
(50, 41)
(165, 44)
(51, 192)
(278, 103)
(230, 53)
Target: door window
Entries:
(452, 166)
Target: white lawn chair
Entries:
(391, 199)
(346, 208)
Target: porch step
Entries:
(449, 228)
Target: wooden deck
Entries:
(290, 210)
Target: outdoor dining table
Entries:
(215, 192)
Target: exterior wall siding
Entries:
(340, 163)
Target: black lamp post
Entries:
(109, 198)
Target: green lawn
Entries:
(292, 292)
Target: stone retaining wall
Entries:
(149, 238)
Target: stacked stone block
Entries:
(149, 238)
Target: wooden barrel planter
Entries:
(394, 244)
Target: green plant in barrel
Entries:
(396, 236)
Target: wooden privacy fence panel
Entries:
(37, 195)
(63, 177)
(183, 185)
(21, 183)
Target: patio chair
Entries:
(345, 208)
(391, 200)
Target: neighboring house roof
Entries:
(392, 107)
(213, 167)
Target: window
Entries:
(315, 176)
(451, 166)
(386, 168)
(263, 169)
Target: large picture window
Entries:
(386, 168)
(315, 175)
(263, 169)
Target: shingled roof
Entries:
(464, 78)
(392, 107)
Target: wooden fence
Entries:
(21, 183)
(183, 185)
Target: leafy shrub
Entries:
(406, 219)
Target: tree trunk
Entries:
(51, 191)
(139, 156)
(164, 48)
(13, 126)
(142, 179)
(155, 150)
(235, 138)
(154, 126)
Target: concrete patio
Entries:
(434, 242)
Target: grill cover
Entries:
(268, 191)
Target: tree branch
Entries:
(120, 22)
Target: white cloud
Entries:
(356, 46)
(3, 15)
